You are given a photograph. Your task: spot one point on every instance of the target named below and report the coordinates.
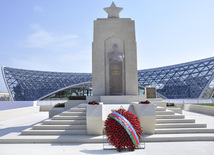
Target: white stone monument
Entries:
(114, 56)
(114, 73)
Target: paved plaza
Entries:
(154, 148)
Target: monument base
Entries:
(116, 99)
(97, 114)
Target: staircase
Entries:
(70, 127)
(171, 126)
(71, 122)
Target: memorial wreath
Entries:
(123, 130)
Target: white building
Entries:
(4, 96)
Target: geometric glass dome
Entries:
(183, 81)
(190, 80)
(30, 85)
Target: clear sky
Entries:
(56, 35)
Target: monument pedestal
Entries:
(94, 119)
(147, 116)
(121, 99)
(97, 114)
(116, 99)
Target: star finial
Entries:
(113, 11)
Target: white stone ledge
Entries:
(200, 109)
(56, 111)
(14, 113)
(175, 109)
(121, 99)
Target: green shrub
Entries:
(59, 105)
(170, 104)
(206, 104)
(76, 97)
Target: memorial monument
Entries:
(114, 56)
(114, 73)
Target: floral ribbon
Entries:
(127, 126)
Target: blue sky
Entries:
(54, 35)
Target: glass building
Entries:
(190, 80)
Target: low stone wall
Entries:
(73, 103)
(7, 105)
(14, 113)
(55, 111)
(48, 105)
(200, 109)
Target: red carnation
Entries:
(117, 135)
(93, 103)
(144, 102)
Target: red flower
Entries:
(144, 102)
(93, 103)
(117, 135)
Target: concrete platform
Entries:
(167, 148)
(11, 129)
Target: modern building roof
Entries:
(183, 81)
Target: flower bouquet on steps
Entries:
(123, 130)
(144, 102)
(93, 103)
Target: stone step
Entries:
(54, 132)
(169, 116)
(159, 104)
(83, 105)
(165, 113)
(68, 113)
(183, 130)
(16, 138)
(78, 109)
(58, 117)
(180, 137)
(155, 106)
(160, 109)
(64, 122)
(160, 121)
(59, 127)
(180, 125)
(175, 109)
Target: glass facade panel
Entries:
(182, 81)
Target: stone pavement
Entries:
(163, 148)
(153, 148)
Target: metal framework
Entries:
(183, 81)
(29, 85)
(187, 80)
(73, 88)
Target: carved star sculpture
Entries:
(113, 11)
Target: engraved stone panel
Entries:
(150, 92)
(115, 71)
(114, 66)
(115, 78)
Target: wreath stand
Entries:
(108, 146)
